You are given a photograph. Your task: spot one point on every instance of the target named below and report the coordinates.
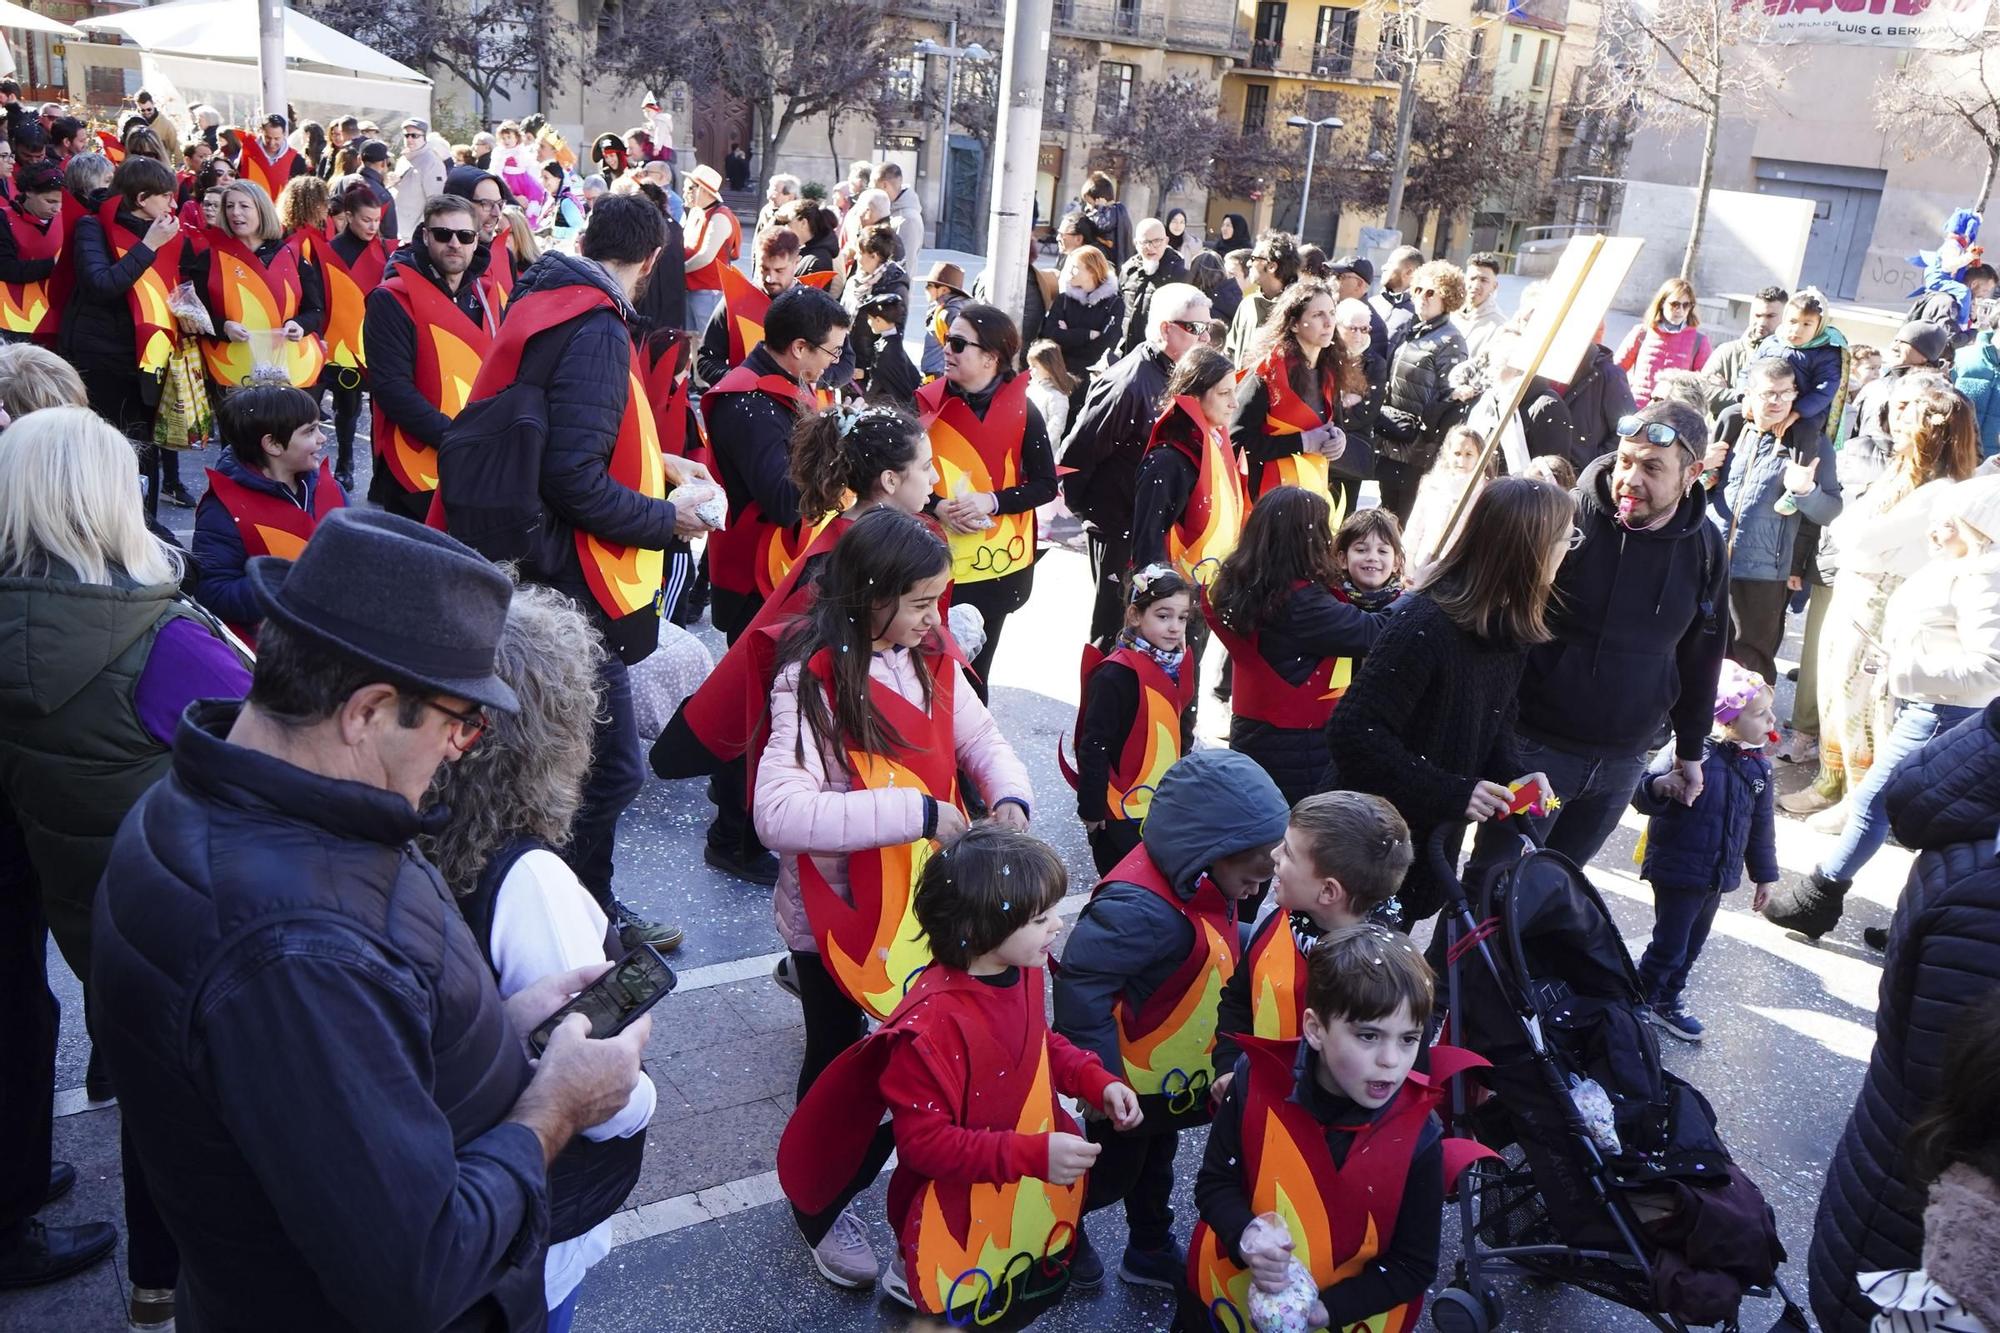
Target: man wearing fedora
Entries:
(714, 238)
(335, 1109)
(945, 285)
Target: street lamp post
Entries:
(952, 53)
(1312, 148)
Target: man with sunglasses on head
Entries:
(1108, 439)
(417, 381)
(1638, 619)
(336, 1110)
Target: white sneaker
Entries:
(844, 1257)
(895, 1284)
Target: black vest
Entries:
(589, 1180)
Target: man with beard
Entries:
(737, 325)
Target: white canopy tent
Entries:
(207, 51)
(19, 18)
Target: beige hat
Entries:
(947, 275)
(708, 176)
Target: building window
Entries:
(1381, 126)
(1126, 16)
(906, 80)
(1514, 50)
(1389, 53)
(1256, 106)
(1333, 40)
(1116, 83)
(1541, 79)
(1055, 90)
(1269, 39)
(1321, 103)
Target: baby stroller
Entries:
(1648, 1210)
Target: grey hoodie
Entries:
(1127, 942)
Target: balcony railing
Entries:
(1336, 59)
(1264, 52)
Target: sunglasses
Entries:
(1194, 326)
(446, 235)
(470, 726)
(958, 344)
(413, 134)
(1652, 432)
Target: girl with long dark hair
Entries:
(1285, 424)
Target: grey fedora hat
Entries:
(424, 607)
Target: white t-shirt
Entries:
(545, 921)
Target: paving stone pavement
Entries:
(706, 1243)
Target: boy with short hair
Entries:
(1140, 978)
(1342, 1144)
(1343, 858)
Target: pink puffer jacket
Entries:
(805, 805)
(1648, 351)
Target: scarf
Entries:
(1371, 601)
(1168, 661)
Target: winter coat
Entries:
(1724, 372)
(1108, 439)
(1647, 351)
(1109, 228)
(1127, 942)
(1731, 825)
(1419, 397)
(314, 1057)
(584, 368)
(806, 803)
(218, 546)
(1977, 374)
(1960, 1279)
(1317, 623)
(818, 254)
(1943, 958)
(1822, 374)
(95, 334)
(891, 279)
(419, 176)
(1084, 325)
(391, 339)
(906, 216)
(1598, 396)
(1759, 538)
(1942, 629)
(1137, 286)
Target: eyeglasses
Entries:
(1423, 291)
(1368, 329)
(1676, 305)
(1652, 432)
(834, 352)
(469, 726)
(958, 344)
(1194, 326)
(446, 235)
(1774, 393)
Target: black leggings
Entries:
(346, 417)
(833, 1023)
(996, 599)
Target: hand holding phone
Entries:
(634, 984)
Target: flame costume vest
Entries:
(979, 1253)
(270, 173)
(753, 554)
(1340, 1215)
(270, 525)
(154, 332)
(1168, 1042)
(975, 456)
(708, 278)
(1291, 415)
(28, 308)
(261, 297)
(869, 941)
(1262, 695)
(670, 389)
(622, 579)
(498, 279)
(1154, 744)
(1212, 523)
(1277, 979)
(450, 354)
(747, 304)
(347, 288)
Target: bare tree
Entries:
(492, 46)
(1167, 133)
(1688, 62)
(1465, 151)
(1946, 101)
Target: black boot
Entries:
(1811, 907)
(35, 1254)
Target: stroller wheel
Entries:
(1457, 1310)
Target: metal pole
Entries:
(271, 55)
(1406, 107)
(1024, 65)
(944, 162)
(1312, 145)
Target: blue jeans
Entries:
(1594, 793)
(1867, 813)
(617, 772)
(1681, 918)
(564, 1315)
(700, 307)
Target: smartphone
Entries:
(613, 1002)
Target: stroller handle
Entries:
(1442, 863)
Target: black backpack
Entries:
(490, 474)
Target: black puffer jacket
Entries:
(1943, 958)
(1596, 398)
(584, 368)
(1084, 325)
(96, 329)
(1419, 400)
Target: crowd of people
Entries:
(324, 810)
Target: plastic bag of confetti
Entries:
(1294, 1309)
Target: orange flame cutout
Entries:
(1286, 1186)
(623, 578)
(150, 294)
(23, 307)
(1340, 678)
(1307, 471)
(1218, 505)
(248, 299)
(1180, 1043)
(345, 306)
(782, 550)
(991, 552)
(278, 542)
(1163, 747)
(1014, 1227)
(1278, 986)
(458, 367)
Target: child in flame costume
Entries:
(1291, 635)
(1142, 975)
(1335, 1133)
(1136, 719)
(871, 723)
(1343, 858)
(989, 1181)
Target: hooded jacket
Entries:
(1598, 396)
(1943, 958)
(1126, 942)
(1638, 620)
